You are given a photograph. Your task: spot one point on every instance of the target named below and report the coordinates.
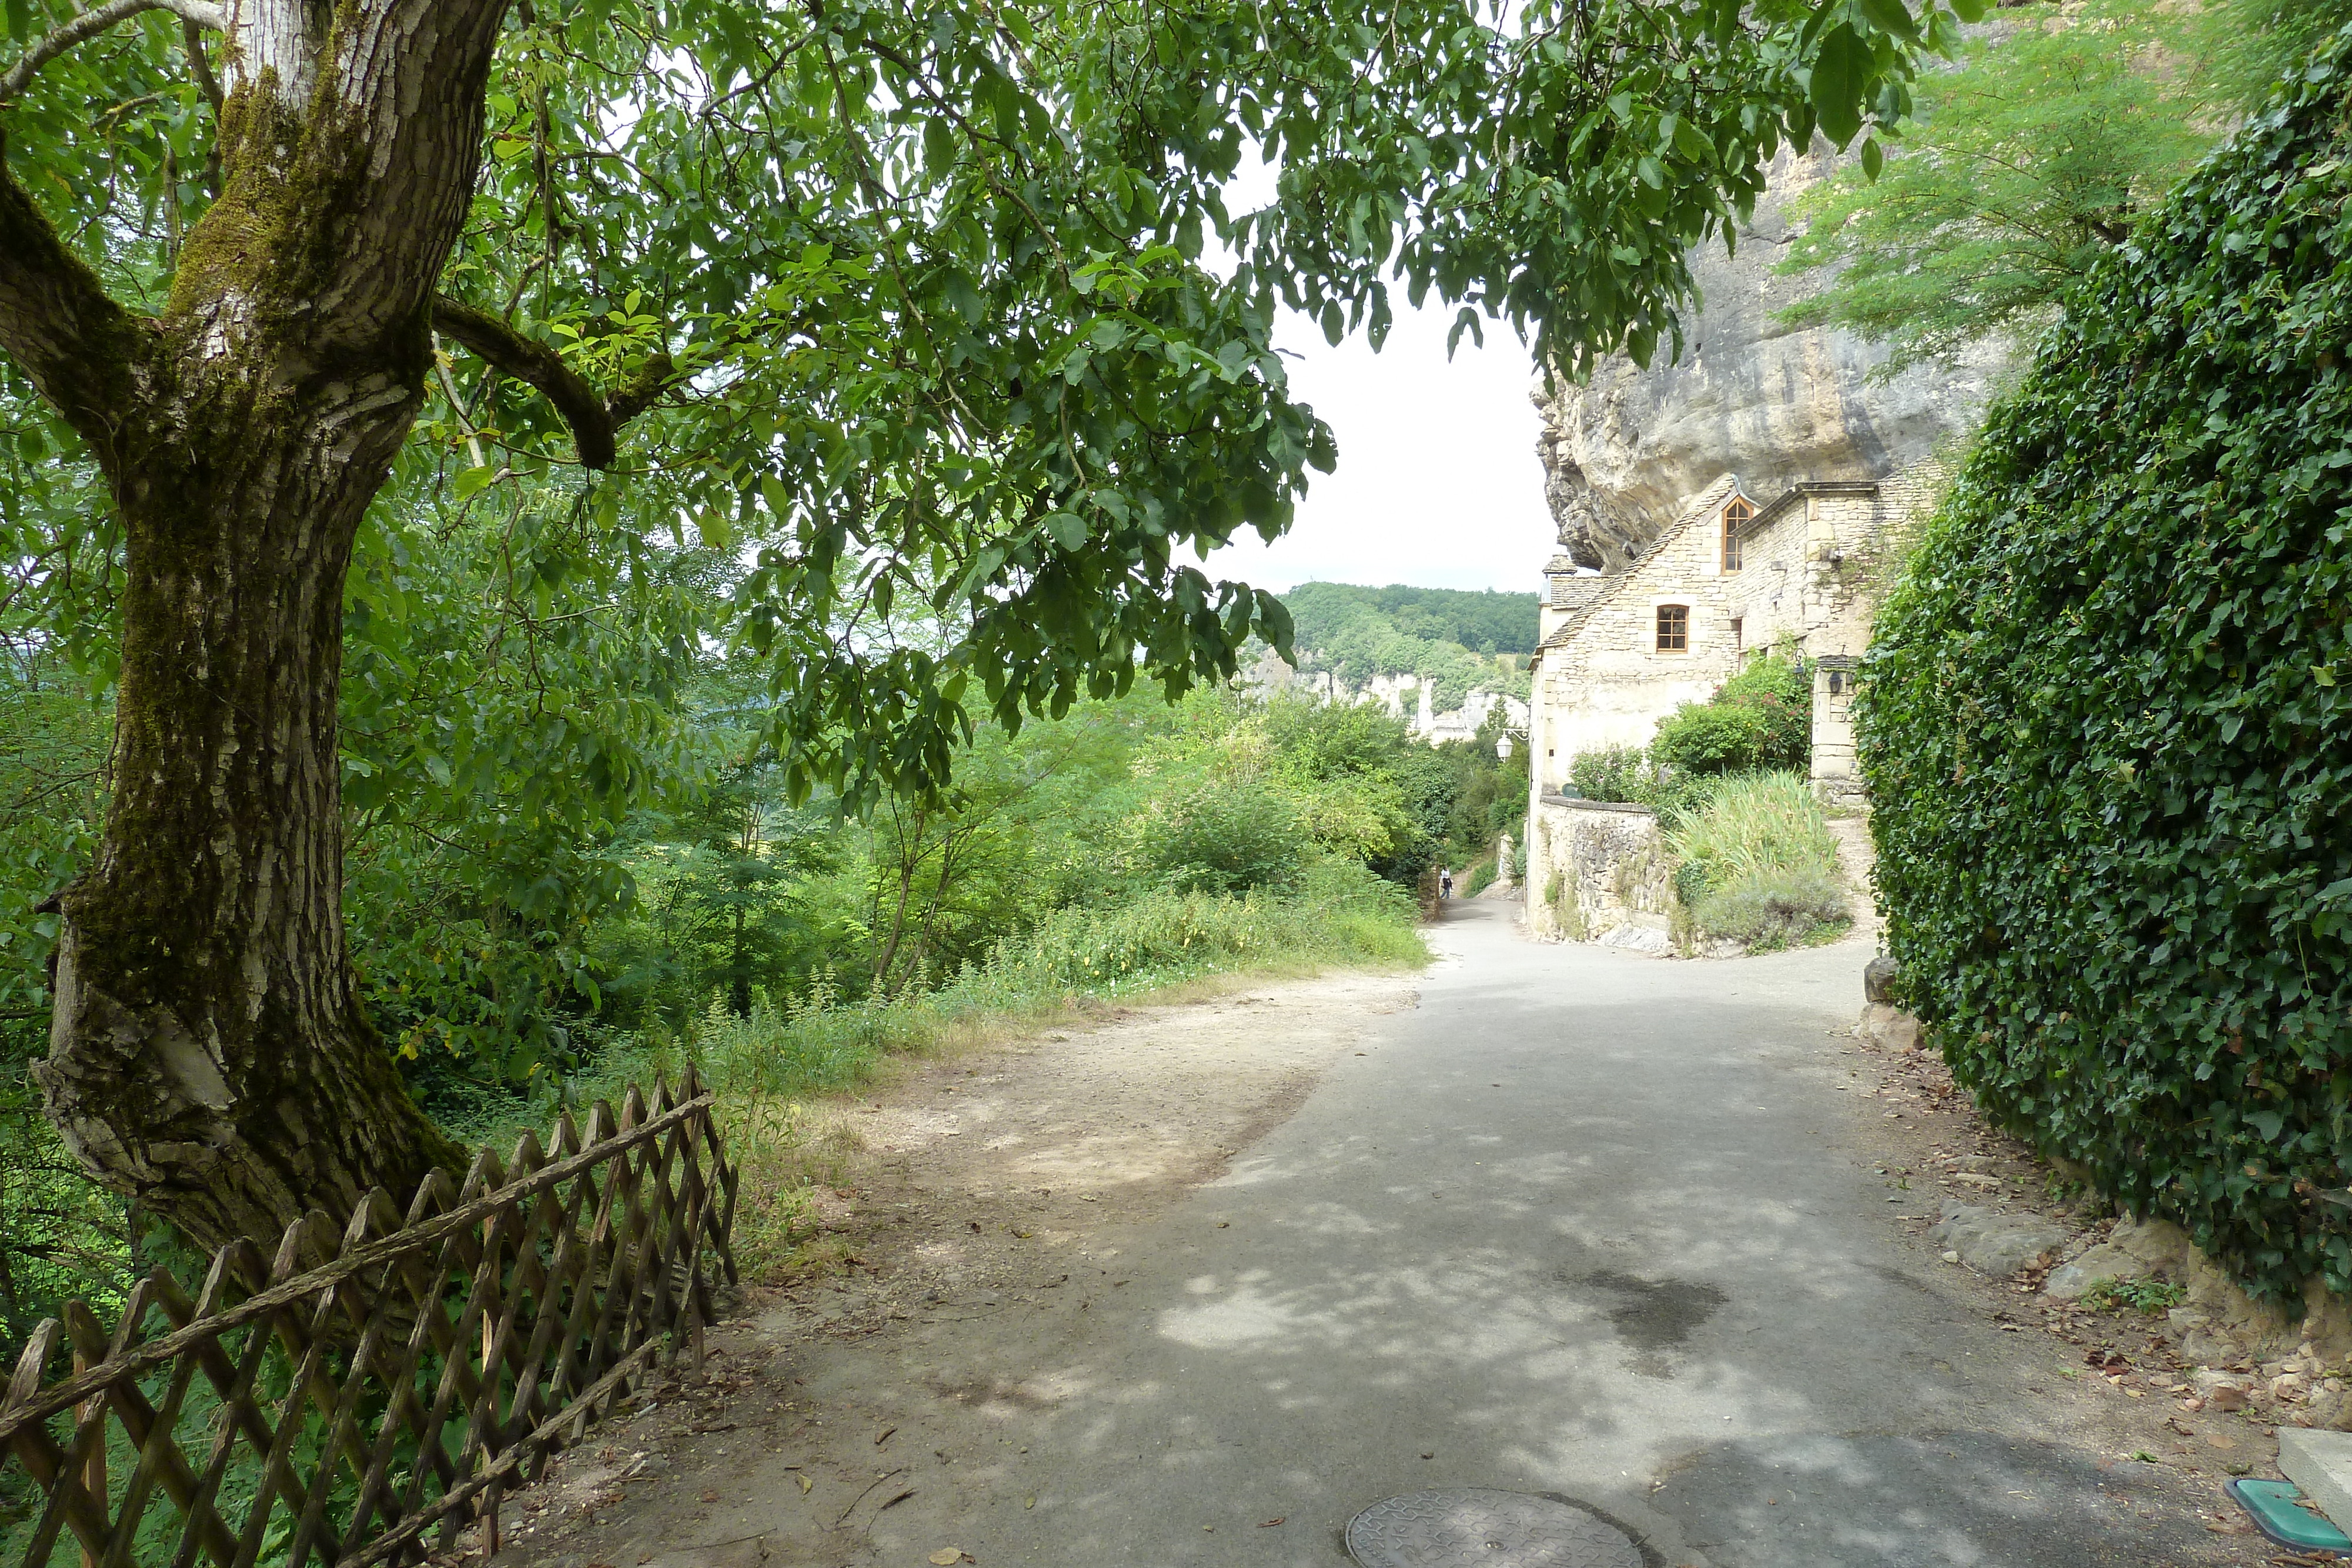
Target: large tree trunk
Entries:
(209, 1050)
(209, 1054)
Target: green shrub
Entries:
(1627, 775)
(1482, 877)
(1339, 912)
(1612, 773)
(1760, 718)
(1231, 841)
(1712, 737)
(1776, 909)
(2107, 721)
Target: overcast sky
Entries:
(1438, 484)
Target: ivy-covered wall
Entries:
(2107, 721)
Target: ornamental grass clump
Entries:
(2107, 721)
(1758, 863)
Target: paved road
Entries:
(1581, 1224)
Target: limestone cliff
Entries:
(1624, 453)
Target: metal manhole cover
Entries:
(1476, 1527)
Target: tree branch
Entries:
(192, 37)
(594, 420)
(94, 21)
(80, 349)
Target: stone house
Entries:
(1734, 575)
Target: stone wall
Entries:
(1599, 872)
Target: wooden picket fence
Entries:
(360, 1403)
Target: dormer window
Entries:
(1735, 513)
(1673, 628)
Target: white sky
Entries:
(1438, 485)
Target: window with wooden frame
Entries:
(1673, 628)
(1736, 514)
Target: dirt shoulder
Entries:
(976, 1209)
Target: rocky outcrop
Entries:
(1626, 451)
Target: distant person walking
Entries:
(1445, 885)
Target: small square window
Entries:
(1673, 628)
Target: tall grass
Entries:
(830, 1038)
(1758, 863)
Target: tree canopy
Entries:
(2029, 159)
(907, 305)
(1480, 620)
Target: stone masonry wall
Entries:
(1598, 872)
(1609, 686)
(1851, 551)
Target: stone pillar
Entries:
(1836, 779)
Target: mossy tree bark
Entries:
(209, 1053)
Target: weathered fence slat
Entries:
(361, 1394)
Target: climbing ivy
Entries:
(2107, 722)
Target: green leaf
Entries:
(1892, 16)
(1872, 158)
(1840, 73)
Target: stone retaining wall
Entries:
(1599, 872)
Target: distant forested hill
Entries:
(1482, 621)
(1459, 638)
